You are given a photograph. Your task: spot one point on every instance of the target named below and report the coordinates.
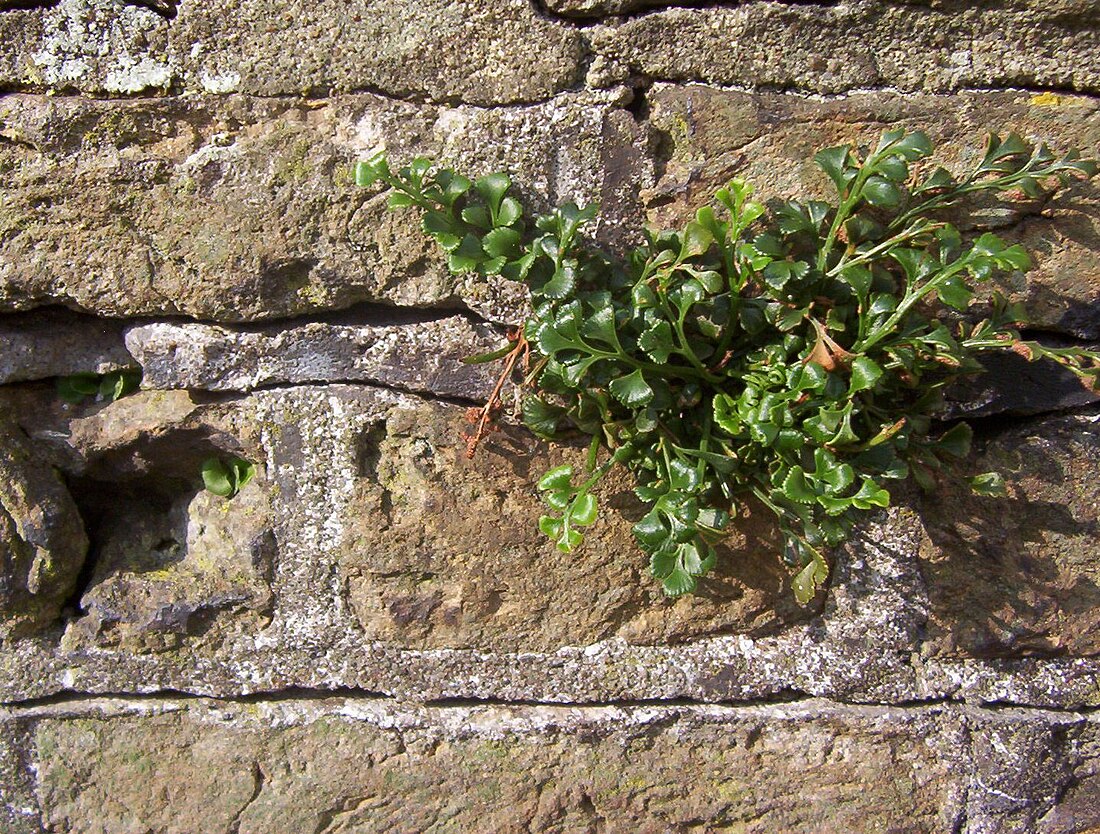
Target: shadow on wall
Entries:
(1018, 576)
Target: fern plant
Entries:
(794, 357)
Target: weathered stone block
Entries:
(52, 343)
(419, 356)
(42, 538)
(192, 765)
(861, 45)
(769, 139)
(240, 208)
(1018, 575)
(476, 52)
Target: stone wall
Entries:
(372, 636)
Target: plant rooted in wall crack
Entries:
(794, 356)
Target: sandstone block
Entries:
(237, 209)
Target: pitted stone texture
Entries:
(1019, 575)
(196, 765)
(770, 139)
(424, 357)
(443, 551)
(52, 343)
(235, 209)
(911, 48)
(1067, 9)
(396, 565)
(469, 50)
(94, 46)
(42, 538)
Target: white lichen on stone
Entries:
(220, 83)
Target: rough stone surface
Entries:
(711, 135)
(51, 343)
(371, 553)
(42, 540)
(1058, 9)
(476, 52)
(912, 48)
(804, 767)
(423, 357)
(394, 645)
(239, 208)
(1019, 575)
(1013, 385)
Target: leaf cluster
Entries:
(791, 357)
(107, 387)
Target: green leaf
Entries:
(657, 341)
(988, 483)
(913, 146)
(865, 373)
(650, 531)
(881, 193)
(74, 388)
(492, 189)
(477, 216)
(796, 489)
(368, 172)
(954, 292)
(561, 284)
(243, 470)
(509, 212)
(834, 162)
(466, 256)
(806, 582)
(491, 356)
(683, 476)
(583, 511)
(541, 417)
(558, 478)
(218, 478)
(502, 242)
(870, 495)
(454, 186)
(632, 390)
(697, 239)
(726, 416)
(570, 540)
(956, 441)
(550, 526)
(118, 384)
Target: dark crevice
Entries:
(364, 313)
(322, 93)
(26, 5)
(71, 696)
(73, 607)
(638, 106)
(361, 314)
(628, 10)
(165, 8)
(992, 427)
(786, 696)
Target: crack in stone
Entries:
(80, 702)
(637, 9)
(258, 779)
(319, 95)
